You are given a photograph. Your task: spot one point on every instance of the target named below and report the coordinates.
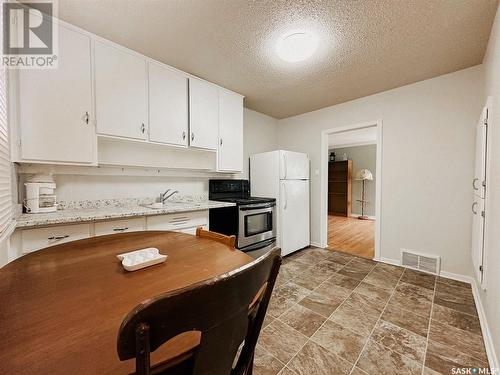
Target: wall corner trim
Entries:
(485, 329)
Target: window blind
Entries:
(5, 165)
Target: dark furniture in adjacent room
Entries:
(340, 188)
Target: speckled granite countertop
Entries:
(112, 212)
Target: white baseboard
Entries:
(458, 277)
(394, 262)
(488, 340)
(316, 244)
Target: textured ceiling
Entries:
(366, 46)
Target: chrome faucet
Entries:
(167, 194)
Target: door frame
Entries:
(488, 106)
(378, 181)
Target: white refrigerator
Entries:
(284, 175)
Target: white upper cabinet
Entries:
(55, 106)
(168, 105)
(230, 155)
(203, 114)
(121, 92)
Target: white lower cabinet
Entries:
(120, 226)
(179, 222)
(36, 239)
(39, 238)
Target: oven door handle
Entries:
(267, 207)
(250, 212)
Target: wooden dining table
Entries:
(61, 307)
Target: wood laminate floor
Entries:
(351, 235)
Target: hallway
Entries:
(351, 235)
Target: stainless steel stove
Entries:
(252, 221)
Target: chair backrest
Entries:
(227, 311)
(227, 240)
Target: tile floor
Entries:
(333, 313)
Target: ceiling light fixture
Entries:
(297, 46)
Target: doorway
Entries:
(351, 172)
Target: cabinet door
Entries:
(121, 95)
(230, 156)
(168, 105)
(178, 221)
(39, 238)
(120, 226)
(478, 236)
(203, 114)
(55, 105)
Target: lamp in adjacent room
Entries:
(363, 175)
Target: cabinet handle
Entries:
(120, 229)
(474, 183)
(220, 142)
(179, 222)
(183, 135)
(59, 237)
(86, 117)
(192, 136)
(474, 205)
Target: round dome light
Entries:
(297, 46)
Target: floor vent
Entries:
(420, 261)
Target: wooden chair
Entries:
(227, 311)
(227, 240)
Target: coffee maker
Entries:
(40, 196)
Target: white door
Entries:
(230, 156)
(294, 212)
(478, 236)
(121, 92)
(479, 194)
(55, 114)
(168, 105)
(203, 114)
(294, 165)
(479, 182)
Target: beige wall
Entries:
(427, 162)
(363, 157)
(260, 134)
(491, 297)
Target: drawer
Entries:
(178, 221)
(120, 226)
(36, 239)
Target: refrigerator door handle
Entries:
(285, 196)
(284, 166)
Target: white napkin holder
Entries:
(135, 260)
